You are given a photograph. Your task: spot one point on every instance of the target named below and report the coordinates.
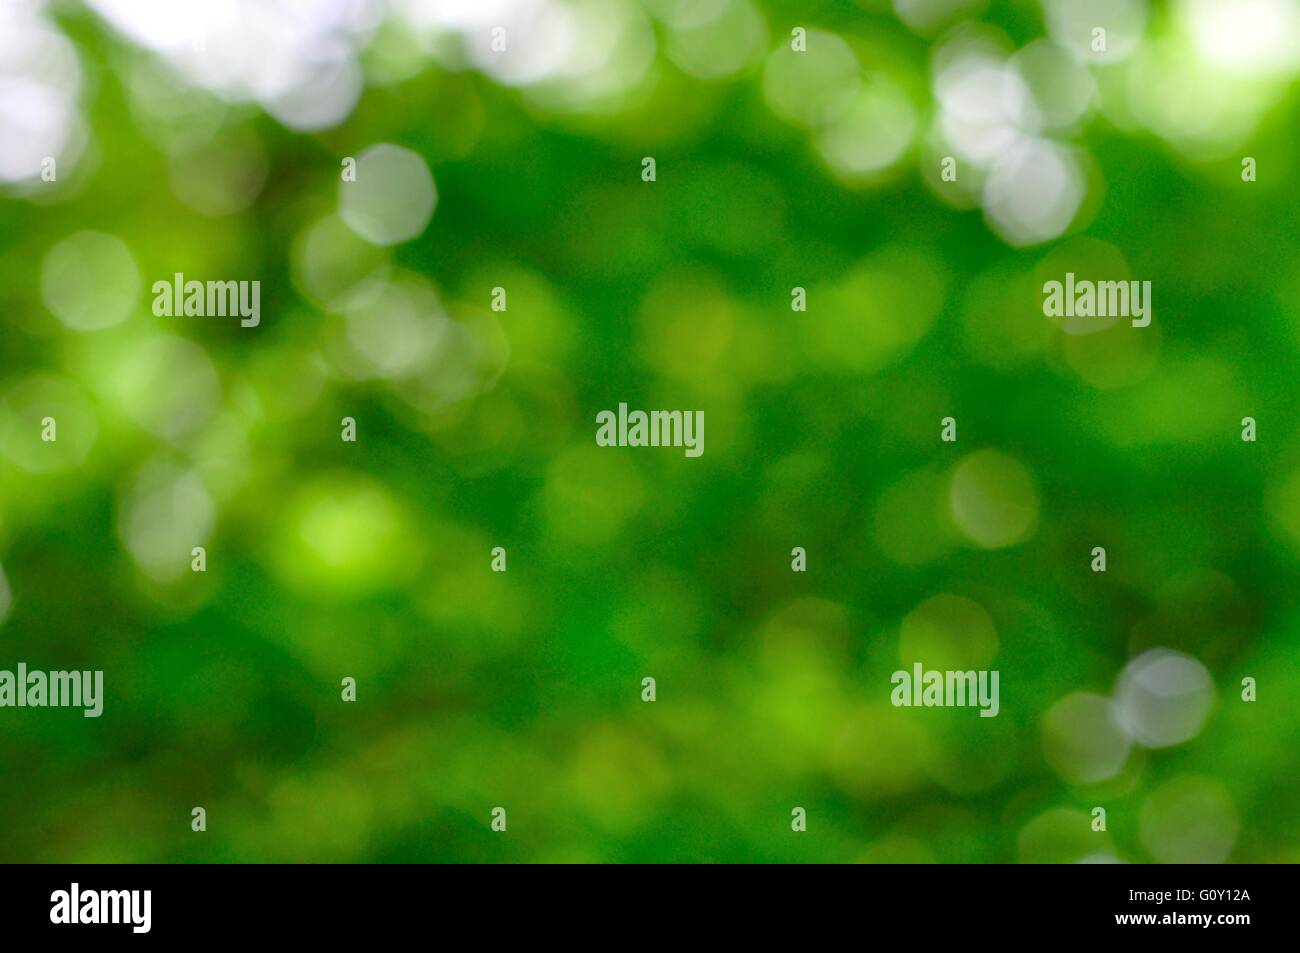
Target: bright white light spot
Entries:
(299, 60)
(393, 197)
(323, 96)
(1256, 37)
(614, 57)
(1164, 697)
(1033, 192)
(978, 89)
(1060, 86)
(1206, 113)
(980, 98)
(40, 80)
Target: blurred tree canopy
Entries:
(387, 172)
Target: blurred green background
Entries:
(209, 139)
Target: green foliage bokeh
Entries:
(522, 689)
